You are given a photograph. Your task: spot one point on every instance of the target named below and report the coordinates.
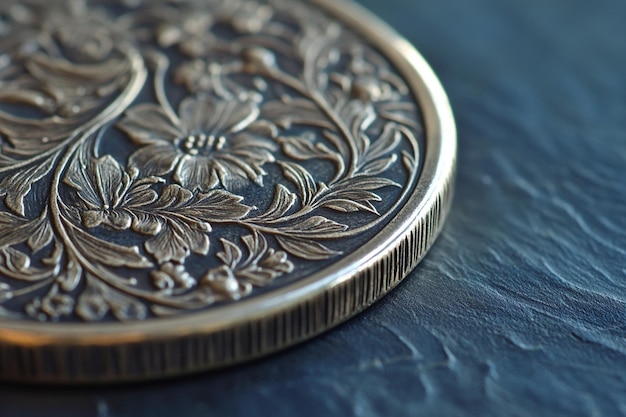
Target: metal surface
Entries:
(192, 184)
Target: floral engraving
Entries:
(160, 157)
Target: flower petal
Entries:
(119, 219)
(155, 159)
(147, 225)
(195, 173)
(217, 117)
(195, 112)
(92, 218)
(109, 179)
(149, 124)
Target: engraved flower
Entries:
(190, 31)
(367, 77)
(250, 17)
(172, 276)
(211, 142)
(109, 195)
(223, 281)
(71, 28)
(52, 306)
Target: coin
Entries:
(188, 184)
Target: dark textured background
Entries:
(520, 308)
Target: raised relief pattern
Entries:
(160, 157)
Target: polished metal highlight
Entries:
(188, 184)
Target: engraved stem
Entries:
(321, 102)
(162, 65)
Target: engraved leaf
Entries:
(379, 166)
(374, 157)
(41, 234)
(352, 200)
(14, 230)
(263, 264)
(178, 241)
(355, 194)
(17, 186)
(289, 111)
(302, 179)
(218, 205)
(16, 260)
(185, 217)
(215, 205)
(303, 148)
(386, 143)
(306, 248)
(71, 276)
(109, 253)
(283, 201)
(100, 182)
(231, 254)
(349, 206)
(316, 226)
(368, 183)
(11, 229)
(409, 161)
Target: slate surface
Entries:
(520, 308)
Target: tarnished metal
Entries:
(192, 183)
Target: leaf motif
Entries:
(289, 111)
(302, 179)
(305, 248)
(304, 149)
(386, 143)
(349, 200)
(409, 161)
(231, 254)
(349, 206)
(108, 253)
(16, 260)
(17, 186)
(283, 201)
(368, 183)
(263, 264)
(218, 205)
(378, 166)
(178, 241)
(41, 234)
(141, 194)
(71, 276)
(12, 229)
(185, 221)
(316, 226)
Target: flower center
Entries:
(202, 144)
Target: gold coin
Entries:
(188, 184)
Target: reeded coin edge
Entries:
(48, 353)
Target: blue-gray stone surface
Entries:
(520, 308)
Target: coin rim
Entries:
(421, 217)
